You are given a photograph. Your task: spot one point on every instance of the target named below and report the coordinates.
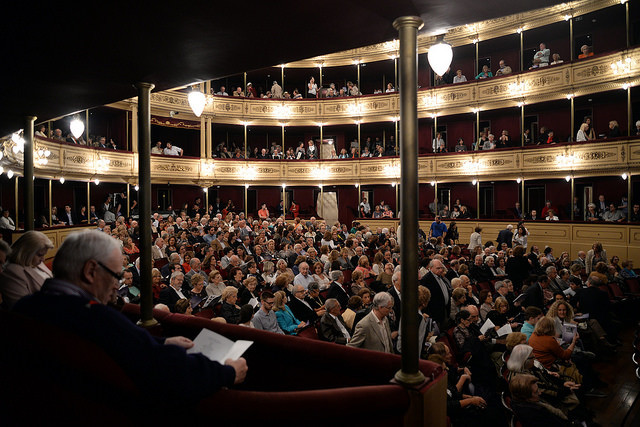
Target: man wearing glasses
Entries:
(265, 318)
(87, 273)
(373, 332)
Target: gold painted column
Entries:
(246, 188)
(571, 48)
(284, 200)
(521, 51)
(134, 128)
(477, 199)
(573, 117)
(89, 200)
(522, 206)
(572, 196)
(203, 137)
(245, 140)
(128, 202)
(522, 124)
(28, 186)
(408, 27)
(17, 199)
(629, 108)
(208, 146)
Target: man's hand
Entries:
(240, 367)
(183, 342)
(394, 335)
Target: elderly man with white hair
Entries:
(332, 326)
(373, 332)
(87, 271)
(172, 293)
(304, 277)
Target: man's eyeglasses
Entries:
(118, 277)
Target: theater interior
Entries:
(86, 63)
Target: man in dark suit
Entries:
(396, 313)
(69, 217)
(534, 295)
(517, 211)
(595, 301)
(332, 326)
(440, 304)
(300, 308)
(505, 236)
(336, 289)
(135, 270)
(173, 293)
(168, 269)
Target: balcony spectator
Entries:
(551, 216)
(387, 213)
(591, 133)
(300, 151)
(57, 135)
(172, 150)
(481, 140)
(276, 90)
(543, 55)
(613, 214)
(312, 88)
(490, 143)
(286, 95)
(505, 140)
(353, 89)
(238, 92)
(222, 91)
(635, 214)
(460, 147)
(251, 91)
(444, 79)
(297, 94)
(343, 154)
(551, 138)
(459, 77)
(379, 153)
(533, 216)
(556, 59)
(6, 222)
(587, 51)
(436, 142)
(485, 73)
(526, 136)
(390, 88)
(365, 152)
(263, 213)
(547, 206)
(312, 150)
(581, 136)
(638, 128)
(614, 129)
(442, 148)
(41, 131)
(102, 142)
(158, 148)
(592, 214)
(601, 204)
(503, 69)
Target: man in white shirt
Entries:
(6, 222)
(365, 206)
(303, 278)
(543, 55)
(222, 92)
(172, 150)
(158, 148)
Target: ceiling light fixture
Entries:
(440, 56)
(62, 180)
(197, 101)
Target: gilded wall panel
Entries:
(601, 233)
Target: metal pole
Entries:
(477, 129)
(477, 58)
(573, 119)
(283, 153)
(629, 109)
(320, 205)
(358, 66)
(626, 5)
(395, 73)
(629, 196)
(245, 200)
(244, 88)
(571, 49)
(86, 130)
(128, 202)
(435, 130)
(126, 132)
(396, 137)
(17, 201)
(29, 215)
(144, 201)
(245, 141)
(478, 199)
(521, 51)
(284, 201)
(51, 205)
(572, 195)
(359, 198)
(522, 124)
(89, 201)
(282, 77)
(408, 27)
(320, 68)
(523, 198)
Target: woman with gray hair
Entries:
(25, 272)
(555, 389)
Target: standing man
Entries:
(505, 236)
(438, 228)
(440, 304)
(373, 332)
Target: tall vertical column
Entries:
(28, 173)
(521, 51)
(203, 137)
(134, 128)
(209, 142)
(51, 205)
(572, 196)
(572, 118)
(144, 201)
(408, 27)
(571, 48)
(522, 124)
(629, 111)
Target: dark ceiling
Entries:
(59, 57)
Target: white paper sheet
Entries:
(487, 325)
(218, 348)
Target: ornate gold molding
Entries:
(600, 158)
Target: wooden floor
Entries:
(623, 387)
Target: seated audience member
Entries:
(459, 77)
(286, 320)
(460, 147)
(355, 305)
(172, 293)
(172, 150)
(613, 214)
(183, 307)
(503, 69)
(25, 272)
(556, 59)
(265, 318)
(332, 326)
(586, 52)
(230, 311)
(248, 291)
(427, 328)
(301, 308)
(216, 284)
(581, 136)
(85, 269)
(554, 389)
(614, 129)
(246, 316)
(6, 222)
(529, 408)
(373, 332)
(485, 73)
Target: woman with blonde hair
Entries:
(287, 321)
(26, 271)
(582, 133)
(363, 266)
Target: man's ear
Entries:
(89, 271)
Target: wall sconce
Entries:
(62, 180)
(624, 176)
